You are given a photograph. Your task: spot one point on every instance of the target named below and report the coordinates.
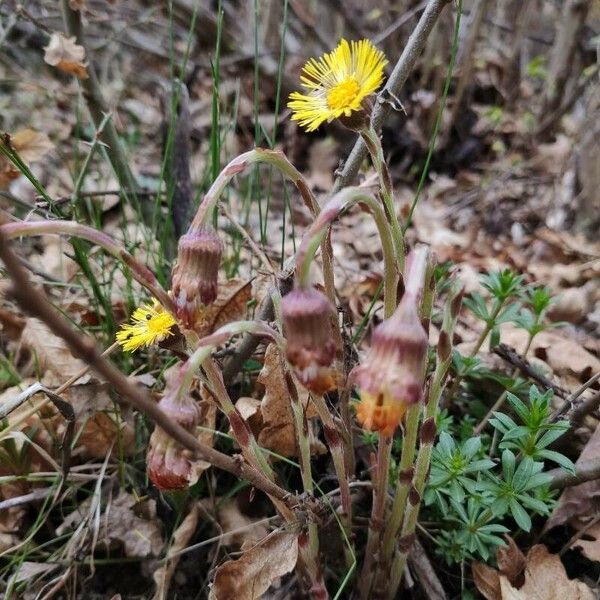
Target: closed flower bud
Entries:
(195, 275)
(311, 348)
(169, 464)
(391, 378)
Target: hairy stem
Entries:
(319, 229)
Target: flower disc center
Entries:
(343, 94)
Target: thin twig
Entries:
(415, 44)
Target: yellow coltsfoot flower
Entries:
(150, 324)
(337, 83)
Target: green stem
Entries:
(376, 523)
(411, 512)
(334, 439)
(373, 144)
(488, 327)
(318, 231)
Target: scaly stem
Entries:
(310, 552)
(411, 513)
(420, 284)
(334, 438)
(376, 523)
(140, 272)
(373, 144)
(317, 232)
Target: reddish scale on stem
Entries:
(311, 347)
(195, 276)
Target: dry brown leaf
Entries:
(278, 433)
(545, 579)
(230, 305)
(579, 501)
(249, 409)
(64, 54)
(511, 562)
(54, 360)
(125, 523)
(245, 529)
(251, 575)
(590, 548)
(182, 535)
(31, 146)
(77, 4)
(104, 433)
(566, 357)
(487, 581)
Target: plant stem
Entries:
(320, 227)
(334, 438)
(139, 271)
(427, 435)
(277, 159)
(373, 143)
(498, 404)
(376, 522)
(488, 327)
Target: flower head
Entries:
(195, 275)
(310, 345)
(391, 378)
(150, 324)
(337, 83)
(170, 466)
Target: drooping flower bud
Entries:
(169, 464)
(195, 275)
(311, 348)
(391, 378)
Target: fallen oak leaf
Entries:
(278, 433)
(66, 55)
(545, 579)
(251, 575)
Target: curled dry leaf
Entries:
(579, 502)
(64, 54)
(277, 433)
(251, 575)
(239, 529)
(545, 579)
(125, 524)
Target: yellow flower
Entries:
(337, 83)
(151, 324)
